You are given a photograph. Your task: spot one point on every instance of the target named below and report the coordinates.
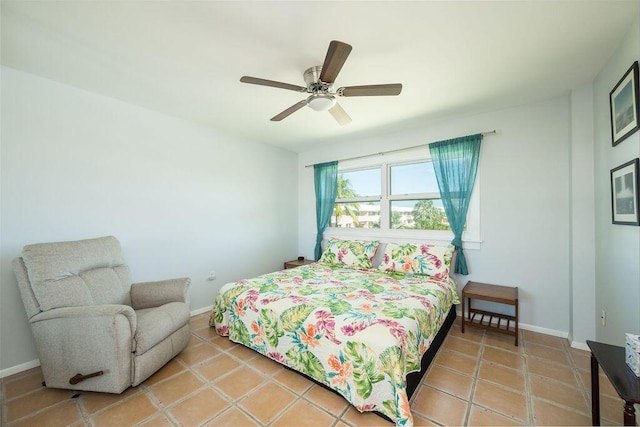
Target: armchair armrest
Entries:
(89, 311)
(154, 294)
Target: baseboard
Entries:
(201, 310)
(580, 345)
(532, 328)
(19, 368)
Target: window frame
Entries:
(471, 237)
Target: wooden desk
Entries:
(611, 359)
(494, 293)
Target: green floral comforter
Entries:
(359, 332)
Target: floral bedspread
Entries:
(358, 331)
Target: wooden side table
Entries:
(485, 319)
(297, 263)
(611, 359)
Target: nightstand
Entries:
(297, 263)
(485, 319)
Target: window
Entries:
(397, 198)
(358, 200)
(414, 198)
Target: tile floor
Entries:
(477, 378)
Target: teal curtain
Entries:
(326, 183)
(455, 162)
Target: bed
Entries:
(358, 328)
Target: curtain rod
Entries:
(382, 153)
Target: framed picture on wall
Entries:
(623, 102)
(624, 193)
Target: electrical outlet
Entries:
(603, 317)
(212, 275)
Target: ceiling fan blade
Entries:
(340, 115)
(335, 59)
(371, 90)
(295, 107)
(265, 82)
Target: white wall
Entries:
(582, 251)
(524, 177)
(617, 246)
(183, 199)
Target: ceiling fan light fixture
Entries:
(321, 101)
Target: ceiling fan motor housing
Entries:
(312, 79)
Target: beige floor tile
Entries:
(157, 421)
(479, 416)
(471, 334)
(420, 421)
(30, 403)
(168, 370)
(612, 408)
(265, 365)
(93, 402)
(547, 414)
(505, 342)
(199, 321)
(126, 413)
(267, 401)
(24, 384)
(220, 365)
(467, 347)
(233, 417)
(457, 361)
(544, 339)
(208, 333)
(198, 353)
(503, 357)
(175, 388)
(238, 384)
(605, 386)
(547, 353)
(243, 353)
(355, 418)
(449, 381)
(198, 408)
(303, 414)
(501, 400)
(224, 343)
(555, 371)
(63, 414)
(293, 381)
(501, 374)
(440, 407)
(328, 400)
(561, 393)
(581, 358)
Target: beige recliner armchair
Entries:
(93, 329)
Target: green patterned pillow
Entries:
(410, 258)
(351, 253)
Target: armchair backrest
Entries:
(76, 273)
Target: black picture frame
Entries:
(623, 104)
(625, 196)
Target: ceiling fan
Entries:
(320, 81)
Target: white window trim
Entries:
(471, 238)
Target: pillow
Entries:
(429, 260)
(351, 253)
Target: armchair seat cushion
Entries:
(156, 324)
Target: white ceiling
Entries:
(185, 58)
